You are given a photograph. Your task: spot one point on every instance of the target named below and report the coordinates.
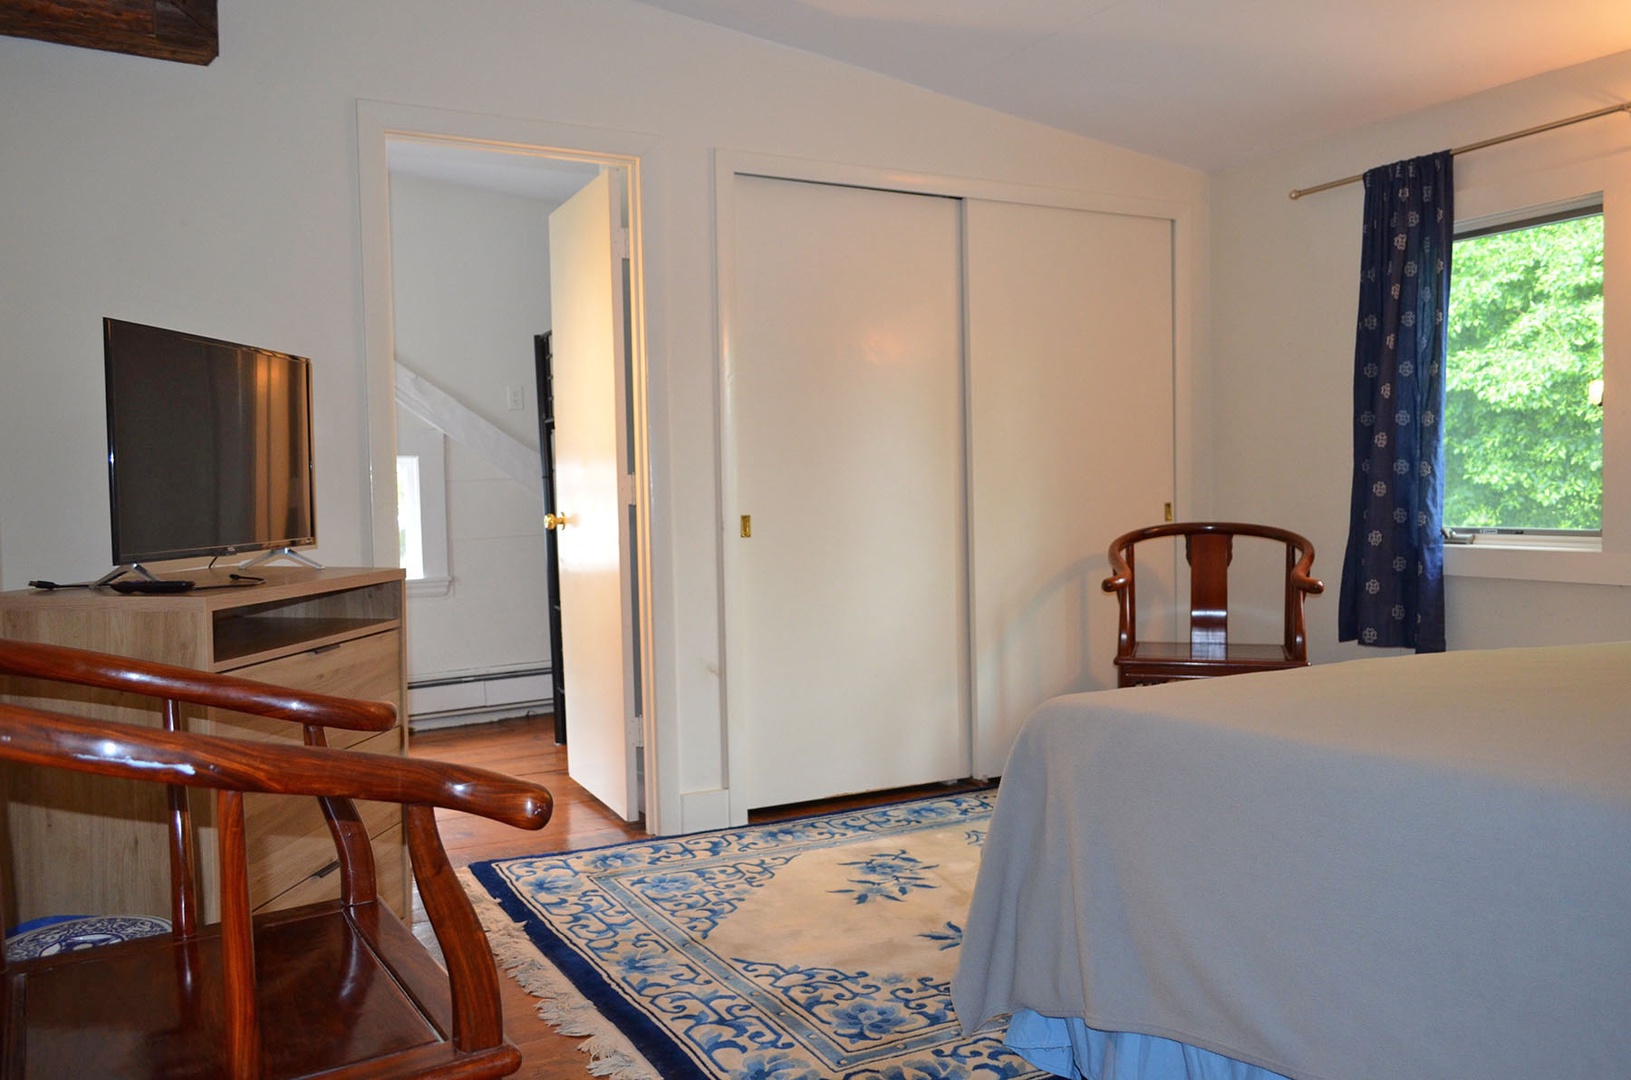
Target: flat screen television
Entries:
(209, 446)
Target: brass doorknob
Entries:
(556, 521)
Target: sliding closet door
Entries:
(846, 607)
(1070, 326)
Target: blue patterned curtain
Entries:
(1393, 574)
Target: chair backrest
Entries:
(231, 767)
(1209, 550)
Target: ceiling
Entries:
(1206, 83)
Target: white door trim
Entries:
(379, 122)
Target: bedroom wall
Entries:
(1284, 291)
(470, 276)
(224, 200)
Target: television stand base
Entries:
(120, 571)
(287, 553)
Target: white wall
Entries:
(470, 282)
(470, 277)
(1284, 295)
(225, 200)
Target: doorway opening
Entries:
(460, 278)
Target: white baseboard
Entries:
(422, 724)
(442, 704)
(703, 811)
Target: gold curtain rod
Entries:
(1624, 106)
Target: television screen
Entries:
(209, 445)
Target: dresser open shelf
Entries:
(298, 621)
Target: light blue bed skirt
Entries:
(1068, 1047)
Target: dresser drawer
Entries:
(390, 877)
(367, 668)
(288, 839)
(299, 850)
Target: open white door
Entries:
(586, 300)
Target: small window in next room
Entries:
(421, 505)
(1523, 417)
(410, 529)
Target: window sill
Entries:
(430, 586)
(1530, 562)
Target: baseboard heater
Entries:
(475, 697)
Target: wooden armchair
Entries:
(1208, 652)
(341, 988)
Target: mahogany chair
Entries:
(1208, 651)
(340, 988)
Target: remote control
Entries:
(142, 586)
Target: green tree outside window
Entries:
(1523, 439)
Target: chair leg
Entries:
(243, 1044)
(478, 1022)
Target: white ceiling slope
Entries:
(1206, 83)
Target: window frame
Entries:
(1492, 192)
(1532, 217)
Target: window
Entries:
(410, 526)
(421, 505)
(1523, 417)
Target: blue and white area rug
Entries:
(805, 950)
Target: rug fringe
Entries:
(610, 1053)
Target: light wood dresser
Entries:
(93, 845)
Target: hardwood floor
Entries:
(525, 747)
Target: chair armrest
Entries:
(1121, 574)
(38, 737)
(1120, 582)
(62, 664)
(1299, 576)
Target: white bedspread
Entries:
(1414, 867)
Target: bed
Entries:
(1415, 867)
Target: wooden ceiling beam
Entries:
(182, 30)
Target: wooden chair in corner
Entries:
(336, 989)
(1208, 651)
